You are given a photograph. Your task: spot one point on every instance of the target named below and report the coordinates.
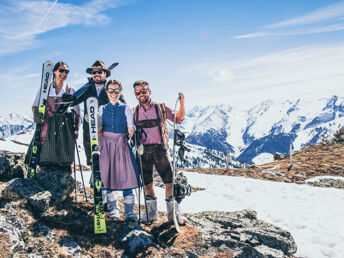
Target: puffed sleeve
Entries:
(129, 115)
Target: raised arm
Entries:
(181, 113)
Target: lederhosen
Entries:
(154, 154)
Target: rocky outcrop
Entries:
(242, 233)
(50, 187)
(12, 165)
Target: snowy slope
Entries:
(266, 128)
(15, 123)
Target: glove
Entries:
(37, 117)
(66, 97)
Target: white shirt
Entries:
(52, 93)
(99, 89)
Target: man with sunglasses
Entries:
(96, 88)
(149, 116)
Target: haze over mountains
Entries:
(251, 136)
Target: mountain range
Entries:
(246, 136)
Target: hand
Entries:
(131, 131)
(181, 97)
(66, 97)
(100, 134)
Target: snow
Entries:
(312, 215)
(319, 178)
(263, 158)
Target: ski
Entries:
(47, 73)
(99, 217)
(65, 105)
(174, 168)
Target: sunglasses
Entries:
(97, 72)
(116, 91)
(139, 92)
(61, 70)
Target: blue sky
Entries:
(216, 52)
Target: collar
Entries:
(151, 103)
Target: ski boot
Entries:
(112, 206)
(180, 218)
(129, 204)
(152, 208)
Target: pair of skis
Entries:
(47, 74)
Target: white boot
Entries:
(112, 205)
(129, 204)
(180, 218)
(152, 207)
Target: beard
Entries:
(99, 81)
(144, 99)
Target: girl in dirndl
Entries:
(118, 167)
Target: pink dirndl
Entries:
(116, 165)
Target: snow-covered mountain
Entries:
(15, 123)
(266, 128)
(252, 136)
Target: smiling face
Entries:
(61, 73)
(98, 76)
(142, 93)
(113, 91)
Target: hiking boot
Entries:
(129, 204)
(112, 206)
(152, 208)
(180, 218)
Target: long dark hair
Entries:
(57, 66)
(121, 98)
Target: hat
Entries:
(98, 65)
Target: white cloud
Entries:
(305, 71)
(327, 19)
(22, 20)
(323, 14)
(252, 35)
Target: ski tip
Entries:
(112, 66)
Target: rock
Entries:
(20, 188)
(279, 156)
(70, 248)
(58, 181)
(329, 182)
(40, 201)
(50, 187)
(49, 234)
(134, 237)
(12, 226)
(243, 233)
(11, 165)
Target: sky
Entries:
(238, 53)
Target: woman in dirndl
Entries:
(118, 167)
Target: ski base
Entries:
(175, 221)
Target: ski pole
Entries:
(80, 168)
(76, 197)
(138, 156)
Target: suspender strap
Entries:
(159, 121)
(151, 122)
